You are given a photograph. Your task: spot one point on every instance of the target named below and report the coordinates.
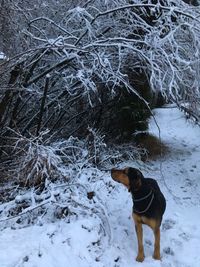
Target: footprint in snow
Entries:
(185, 236)
(168, 224)
(168, 251)
(148, 242)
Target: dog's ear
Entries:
(139, 175)
(134, 174)
(135, 179)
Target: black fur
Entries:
(146, 186)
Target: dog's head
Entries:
(130, 177)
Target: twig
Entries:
(46, 87)
(29, 209)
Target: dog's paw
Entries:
(156, 256)
(140, 258)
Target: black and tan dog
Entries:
(148, 205)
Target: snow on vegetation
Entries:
(58, 203)
(88, 222)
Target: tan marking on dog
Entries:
(139, 232)
(121, 177)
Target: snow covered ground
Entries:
(106, 236)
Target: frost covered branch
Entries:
(101, 58)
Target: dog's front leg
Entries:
(139, 232)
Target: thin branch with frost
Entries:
(170, 9)
(28, 210)
(51, 22)
(88, 53)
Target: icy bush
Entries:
(60, 180)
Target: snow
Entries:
(107, 237)
(2, 56)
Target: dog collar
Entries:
(147, 208)
(142, 198)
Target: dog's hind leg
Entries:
(156, 254)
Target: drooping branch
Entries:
(46, 87)
(139, 6)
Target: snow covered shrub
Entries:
(96, 145)
(93, 152)
(39, 163)
(72, 151)
(92, 56)
(60, 181)
(98, 64)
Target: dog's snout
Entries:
(113, 173)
